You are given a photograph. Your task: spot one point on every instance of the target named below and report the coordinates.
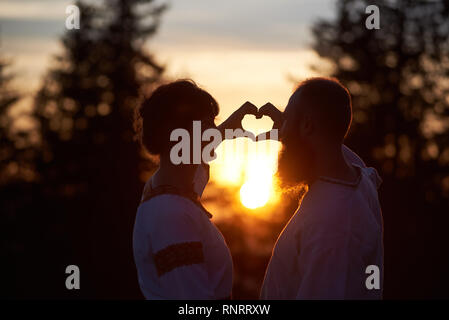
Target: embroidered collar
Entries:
(152, 192)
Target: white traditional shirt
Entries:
(325, 249)
(179, 253)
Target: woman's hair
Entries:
(171, 106)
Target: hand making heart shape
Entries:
(234, 121)
(276, 115)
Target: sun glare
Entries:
(258, 186)
(249, 167)
(254, 195)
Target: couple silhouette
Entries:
(326, 247)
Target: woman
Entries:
(179, 253)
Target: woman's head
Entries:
(172, 106)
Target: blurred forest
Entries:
(71, 184)
(78, 205)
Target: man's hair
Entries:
(331, 100)
(171, 106)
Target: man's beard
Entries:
(295, 165)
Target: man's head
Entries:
(317, 117)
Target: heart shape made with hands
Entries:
(266, 128)
(257, 124)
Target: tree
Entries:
(9, 167)
(8, 97)
(90, 168)
(398, 78)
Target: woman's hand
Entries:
(234, 122)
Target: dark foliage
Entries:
(80, 208)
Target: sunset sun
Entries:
(254, 195)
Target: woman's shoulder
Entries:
(169, 219)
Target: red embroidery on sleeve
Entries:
(178, 255)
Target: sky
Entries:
(237, 50)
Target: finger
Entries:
(269, 109)
(274, 113)
(249, 108)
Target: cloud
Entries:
(29, 9)
(250, 23)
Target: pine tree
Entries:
(90, 164)
(8, 97)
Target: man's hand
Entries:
(235, 120)
(276, 115)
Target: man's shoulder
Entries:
(327, 199)
(349, 212)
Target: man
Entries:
(336, 233)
